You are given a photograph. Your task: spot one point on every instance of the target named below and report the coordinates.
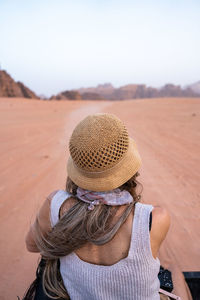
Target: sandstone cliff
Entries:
(11, 88)
(195, 87)
(137, 91)
(68, 95)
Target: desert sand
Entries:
(34, 136)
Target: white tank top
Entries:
(132, 278)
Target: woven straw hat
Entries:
(102, 155)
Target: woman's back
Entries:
(131, 273)
(111, 252)
(118, 248)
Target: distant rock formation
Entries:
(195, 87)
(134, 91)
(67, 95)
(105, 91)
(137, 91)
(26, 91)
(92, 96)
(171, 90)
(11, 88)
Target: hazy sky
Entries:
(53, 46)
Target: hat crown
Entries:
(98, 142)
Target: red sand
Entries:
(33, 154)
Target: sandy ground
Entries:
(33, 153)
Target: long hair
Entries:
(77, 227)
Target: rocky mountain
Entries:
(26, 91)
(103, 91)
(135, 91)
(195, 87)
(92, 96)
(130, 91)
(67, 95)
(11, 88)
(171, 90)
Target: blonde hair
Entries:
(77, 227)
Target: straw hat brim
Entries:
(108, 179)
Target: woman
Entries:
(95, 235)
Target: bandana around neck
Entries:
(113, 197)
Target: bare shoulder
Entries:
(160, 223)
(66, 205)
(50, 196)
(161, 214)
(44, 211)
(43, 218)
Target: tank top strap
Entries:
(56, 203)
(140, 238)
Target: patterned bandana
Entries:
(114, 197)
